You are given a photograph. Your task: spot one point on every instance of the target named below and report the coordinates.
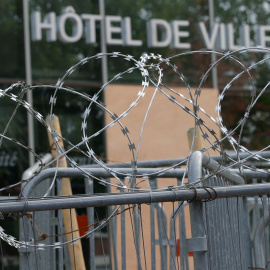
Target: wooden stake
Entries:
(198, 142)
(75, 251)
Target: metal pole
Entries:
(198, 243)
(103, 41)
(28, 74)
(213, 56)
(112, 234)
(42, 204)
(170, 162)
(89, 189)
(152, 224)
(259, 237)
(104, 60)
(123, 234)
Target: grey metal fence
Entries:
(220, 228)
(59, 257)
(224, 222)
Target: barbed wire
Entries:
(150, 68)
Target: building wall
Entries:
(165, 132)
(164, 137)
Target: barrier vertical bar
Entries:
(173, 257)
(61, 237)
(123, 234)
(182, 227)
(113, 232)
(266, 232)
(132, 181)
(152, 226)
(161, 220)
(137, 235)
(89, 189)
(162, 229)
(198, 243)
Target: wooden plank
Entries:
(69, 216)
(198, 142)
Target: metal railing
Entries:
(29, 255)
(220, 228)
(220, 220)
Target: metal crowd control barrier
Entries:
(220, 228)
(58, 258)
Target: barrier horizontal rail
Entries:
(230, 174)
(169, 162)
(32, 204)
(74, 172)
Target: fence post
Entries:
(259, 242)
(198, 243)
(113, 233)
(152, 224)
(89, 189)
(123, 233)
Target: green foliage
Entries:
(11, 44)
